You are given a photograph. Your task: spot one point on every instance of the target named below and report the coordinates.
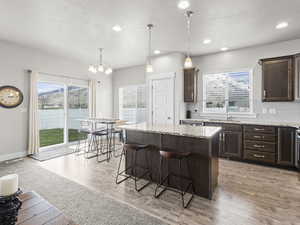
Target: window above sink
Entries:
(228, 93)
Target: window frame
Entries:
(224, 110)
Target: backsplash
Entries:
(284, 111)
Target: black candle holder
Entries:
(9, 208)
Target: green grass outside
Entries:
(56, 136)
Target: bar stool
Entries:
(84, 133)
(167, 155)
(135, 148)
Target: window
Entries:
(132, 103)
(227, 92)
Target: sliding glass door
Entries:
(78, 102)
(51, 113)
(60, 108)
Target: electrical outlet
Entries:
(272, 111)
(265, 110)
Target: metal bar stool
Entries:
(103, 146)
(117, 132)
(135, 148)
(167, 155)
(85, 130)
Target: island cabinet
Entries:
(286, 146)
(190, 85)
(278, 79)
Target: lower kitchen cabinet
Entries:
(271, 145)
(231, 144)
(286, 146)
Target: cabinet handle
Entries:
(259, 129)
(259, 146)
(258, 156)
(258, 136)
(265, 93)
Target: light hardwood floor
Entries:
(247, 194)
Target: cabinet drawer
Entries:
(232, 127)
(259, 129)
(259, 156)
(260, 146)
(260, 137)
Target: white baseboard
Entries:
(12, 156)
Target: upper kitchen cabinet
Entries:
(278, 79)
(190, 85)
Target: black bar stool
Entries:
(134, 148)
(167, 155)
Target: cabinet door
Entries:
(286, 146)
(278, 79)
(231, 144)
(190, 85)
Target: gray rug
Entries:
(52, 153)
(77, 202)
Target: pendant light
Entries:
(100, 66)
(149, 66)
(188, 60)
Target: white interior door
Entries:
(163, 101)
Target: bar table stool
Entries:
(164, 181)
(135, 149)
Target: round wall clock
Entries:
(10, 97)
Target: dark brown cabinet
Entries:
(231, 144)
(286, 146)
(190, 85)
(270, 145)
(260, 143)
(231, 140)
(278, 79)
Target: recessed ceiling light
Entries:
(282, 25)
(224, 49)
(156, 52)
(117, 28)
(206, 41)
(183, 4)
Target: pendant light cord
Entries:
(188, 15)
(100, 58)
(149, 26)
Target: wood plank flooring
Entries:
(247, 194)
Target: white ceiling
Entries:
(76, 28)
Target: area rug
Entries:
(83, 206)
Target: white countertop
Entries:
(178, 130)
(252, 122)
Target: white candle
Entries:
(9, 184)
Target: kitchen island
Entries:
(202, 142)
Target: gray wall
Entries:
(248, 58)
(14, 61)
(136, 75)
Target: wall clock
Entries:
(10, 97)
